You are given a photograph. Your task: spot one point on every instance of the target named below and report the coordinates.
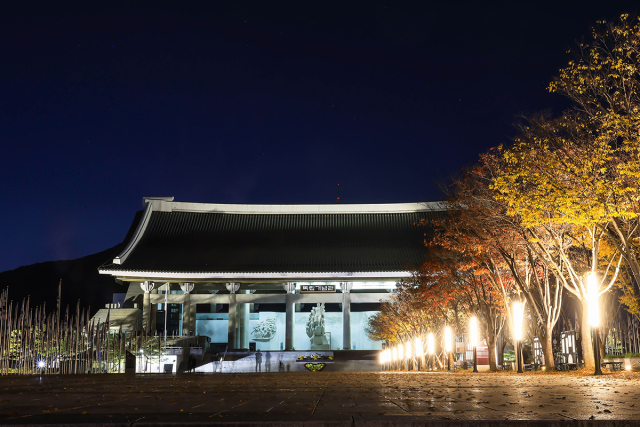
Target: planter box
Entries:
(314, 361)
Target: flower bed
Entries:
(315, 358)
(314, 367)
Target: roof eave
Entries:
(239, 276)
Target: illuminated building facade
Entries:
(248, 276)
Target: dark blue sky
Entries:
(102, 103)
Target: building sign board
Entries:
(482, 353)
(317, 288)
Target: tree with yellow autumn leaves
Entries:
(536, 218)
(572, 181)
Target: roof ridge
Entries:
(165, 205)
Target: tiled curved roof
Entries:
(218, 242)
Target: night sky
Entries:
(102, 103)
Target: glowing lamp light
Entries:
(383, 357)
(448, 342)
(473, 331)
(41, 364)
(431, 343)
(518, 317)
(628, 367)
(407, 351)
(418, 347)
(394, 353)
(592, 299)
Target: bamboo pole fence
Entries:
(36, 342)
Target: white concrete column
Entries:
(243, 323)
(153, 314)
(346, 314)
(290, 320)
(186, 307)
(147, 287)
(231, 332)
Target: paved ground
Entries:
(322, 398)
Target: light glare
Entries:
(431, 343)
(473, 331)
(518, 317)
(447, 339)
(418, 346)
(592, 297)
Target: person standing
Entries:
(192, 363)
(258, 361)
(268, 362)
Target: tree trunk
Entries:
(491, 343)
(602, 344)
(547, 349)
(457, 320)
(585, 339)
(499, 347)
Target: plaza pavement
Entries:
(321, 399)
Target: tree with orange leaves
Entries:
(412, 312)
(472, 278)
(496, 242)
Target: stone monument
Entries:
(315, 329)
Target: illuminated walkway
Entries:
(323, 398)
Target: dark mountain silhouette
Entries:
(80, 280)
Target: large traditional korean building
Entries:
(248, 275)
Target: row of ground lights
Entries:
(396, 356)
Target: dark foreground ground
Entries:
(322, 398)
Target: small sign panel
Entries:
(317, 288)
(482, 353)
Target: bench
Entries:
(568, 366)
(613, 366)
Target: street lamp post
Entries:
(447, 345)
(431, 344)
(473, 337)
(518, 317)
(419, 353)
(394, 353)
(594, 318)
